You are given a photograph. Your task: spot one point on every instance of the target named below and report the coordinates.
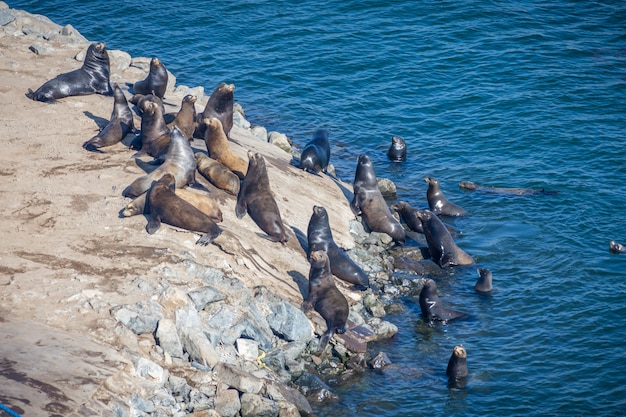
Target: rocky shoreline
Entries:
(205, 336)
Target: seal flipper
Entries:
(241, 209)
(210, 236)
(153, 224)
(325, 339)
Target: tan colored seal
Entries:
(217, 174)
(219, 148)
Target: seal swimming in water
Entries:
(219, 105)
(443, 250)
(342, 266)
(438, 203)
(91, 78)
(457, 367)
(217, 174)
(369, 201)
(316, 153)
(432, 307)
(120, 124)
(325, 298)
(468, 185)
(484, 283)
(615, 247)
(185, 119)
(219, 149)
(155, 82)
(397, 150)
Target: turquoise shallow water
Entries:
(499, 93)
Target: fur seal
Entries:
(155, 136)
(219, 148)
(255, 197)
(140, 101)
(369, 201)
(468, 185)
(457, 367)
(91, 78)
(217, 174)
(155, 82)
(408, 215)
(170, 209)
(438, 203)
(432, 307)
(443, 250)
(484, 283)
(179, 161)
(615, 247)
(200, 201)
(185, 119)
(219, 105)
(397, 150)
(316, 153)
(120, 124)
(325, 298)
(320, 237)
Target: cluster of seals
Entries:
(315, 155)
(219, 149)
(457, 367)
(438, 203)
(217, 174)
(91, 78)
(468, 185)
(120, 124)
(432, 307)
(220, 106)
(155, 82)
(397, 149)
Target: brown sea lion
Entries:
(219, 148)
(369, 201)
(179, 161)
(219, 105)
(325, 298)
(185, 119)
(397, 150)
(468, 185)
(140, 101)
(120, 124)
(438, 203)
(316, 153)
(615, 247)
(202, 202)
(484, 284)
(457, 367)
(432, 307)
(155, 82)
(443, 250)
(217, 174)
(91, 78)
(255, 197)
(408, 215)
(167, 207)
(155, 136)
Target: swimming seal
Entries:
(202, 202)
(615, 247)
(397, 150)
(438, 203)
(432, 307)
(255, 198)
(457, 367)
(91, 78)
(185, 119)
(155, 82)
(443, 250)
(342, 266)
(369, 201)
(316, 153)
(120, 124)
(484, 283)
(166, 207)
(468, 185)
(155, 136)
(219, 105)
(217, 174)
(219, 148)
(179, 161)
(325, 298)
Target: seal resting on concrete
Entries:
(432, 307)
(217, 174)
(220, 106)
(443, 250)
(120, 124)
(397, 149)
(155, 82)
(315, 155)
(438, 202)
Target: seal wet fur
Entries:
(443, 249)
(120, 124)
(432, 307)
(438, 202)
(220, 106)
(484, 284)
(155, 135)
(315, 155)
(185, 119)
(155, 82)
(397, 149)
(457, 367)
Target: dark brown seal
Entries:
(397, 149)
(325, 298)
(443, 250)
(432, 307)
(369, 201)
(120, 124)
(167, 207)
(140, 101)
(217, 174)
(255, 197)
(468, 185)
(219, 105)
(185, 119)
(315, 155)
(342, 266)
(155, 82)
(219, 149)
(484, 284)
(155, 136)
(438, 203)
(457, 367)
(91, 78)
(615, 247)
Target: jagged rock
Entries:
(240, 380)
(141, 404)
(198, 401)
(173, 298)
(260, 132)
(290, 322)
(382, 328)
(178, 386)
(140, 318)
(205, 295)
(247, 349)
(380, 361)
(240, 120)
(281, 392)
(256, 406)
(41, 48)
(119, 60)
(145, 368)
(167, 338)
(314, 388)
(193, 339)
(387, 187)
(227, 403)
(183, 90)
(280, 140)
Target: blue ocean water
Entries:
(502, 93)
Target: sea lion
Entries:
(438, 203)
(432, 307)
(408, 215)
(170, 209)
(155, 136)
(457, 367)
(325, 298)
(217, 174)
(140, 101)
(202, 202)
(186, 117)
(179, 161)
(369, 201)
(120, 124)
(155, 82)
(615, 247)
(316, 153)
(484, 283)
(255, 197)
(219, 105)
(397, 150)
(468, 185)
(219, 148)
(320, 237)
(443, 250)
(91, 78)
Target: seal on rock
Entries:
(255, 197)
(120, 124)
(457, 367)
(484, 283)
(342, 266)
(155, 82)
(217, 174)
(468, 185)
(155, 136)
(179, 161)
(219, 148)
(166, 207)
(432, 307)
(316, 153)
(91, 78)
(325, 298)
(185, 119)
(443, 250)
(438, 203)
(615, 247)
(219, 105)
(409, 215)
(397, 150)
(369, 201)
(140, 101)
(202, 202)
